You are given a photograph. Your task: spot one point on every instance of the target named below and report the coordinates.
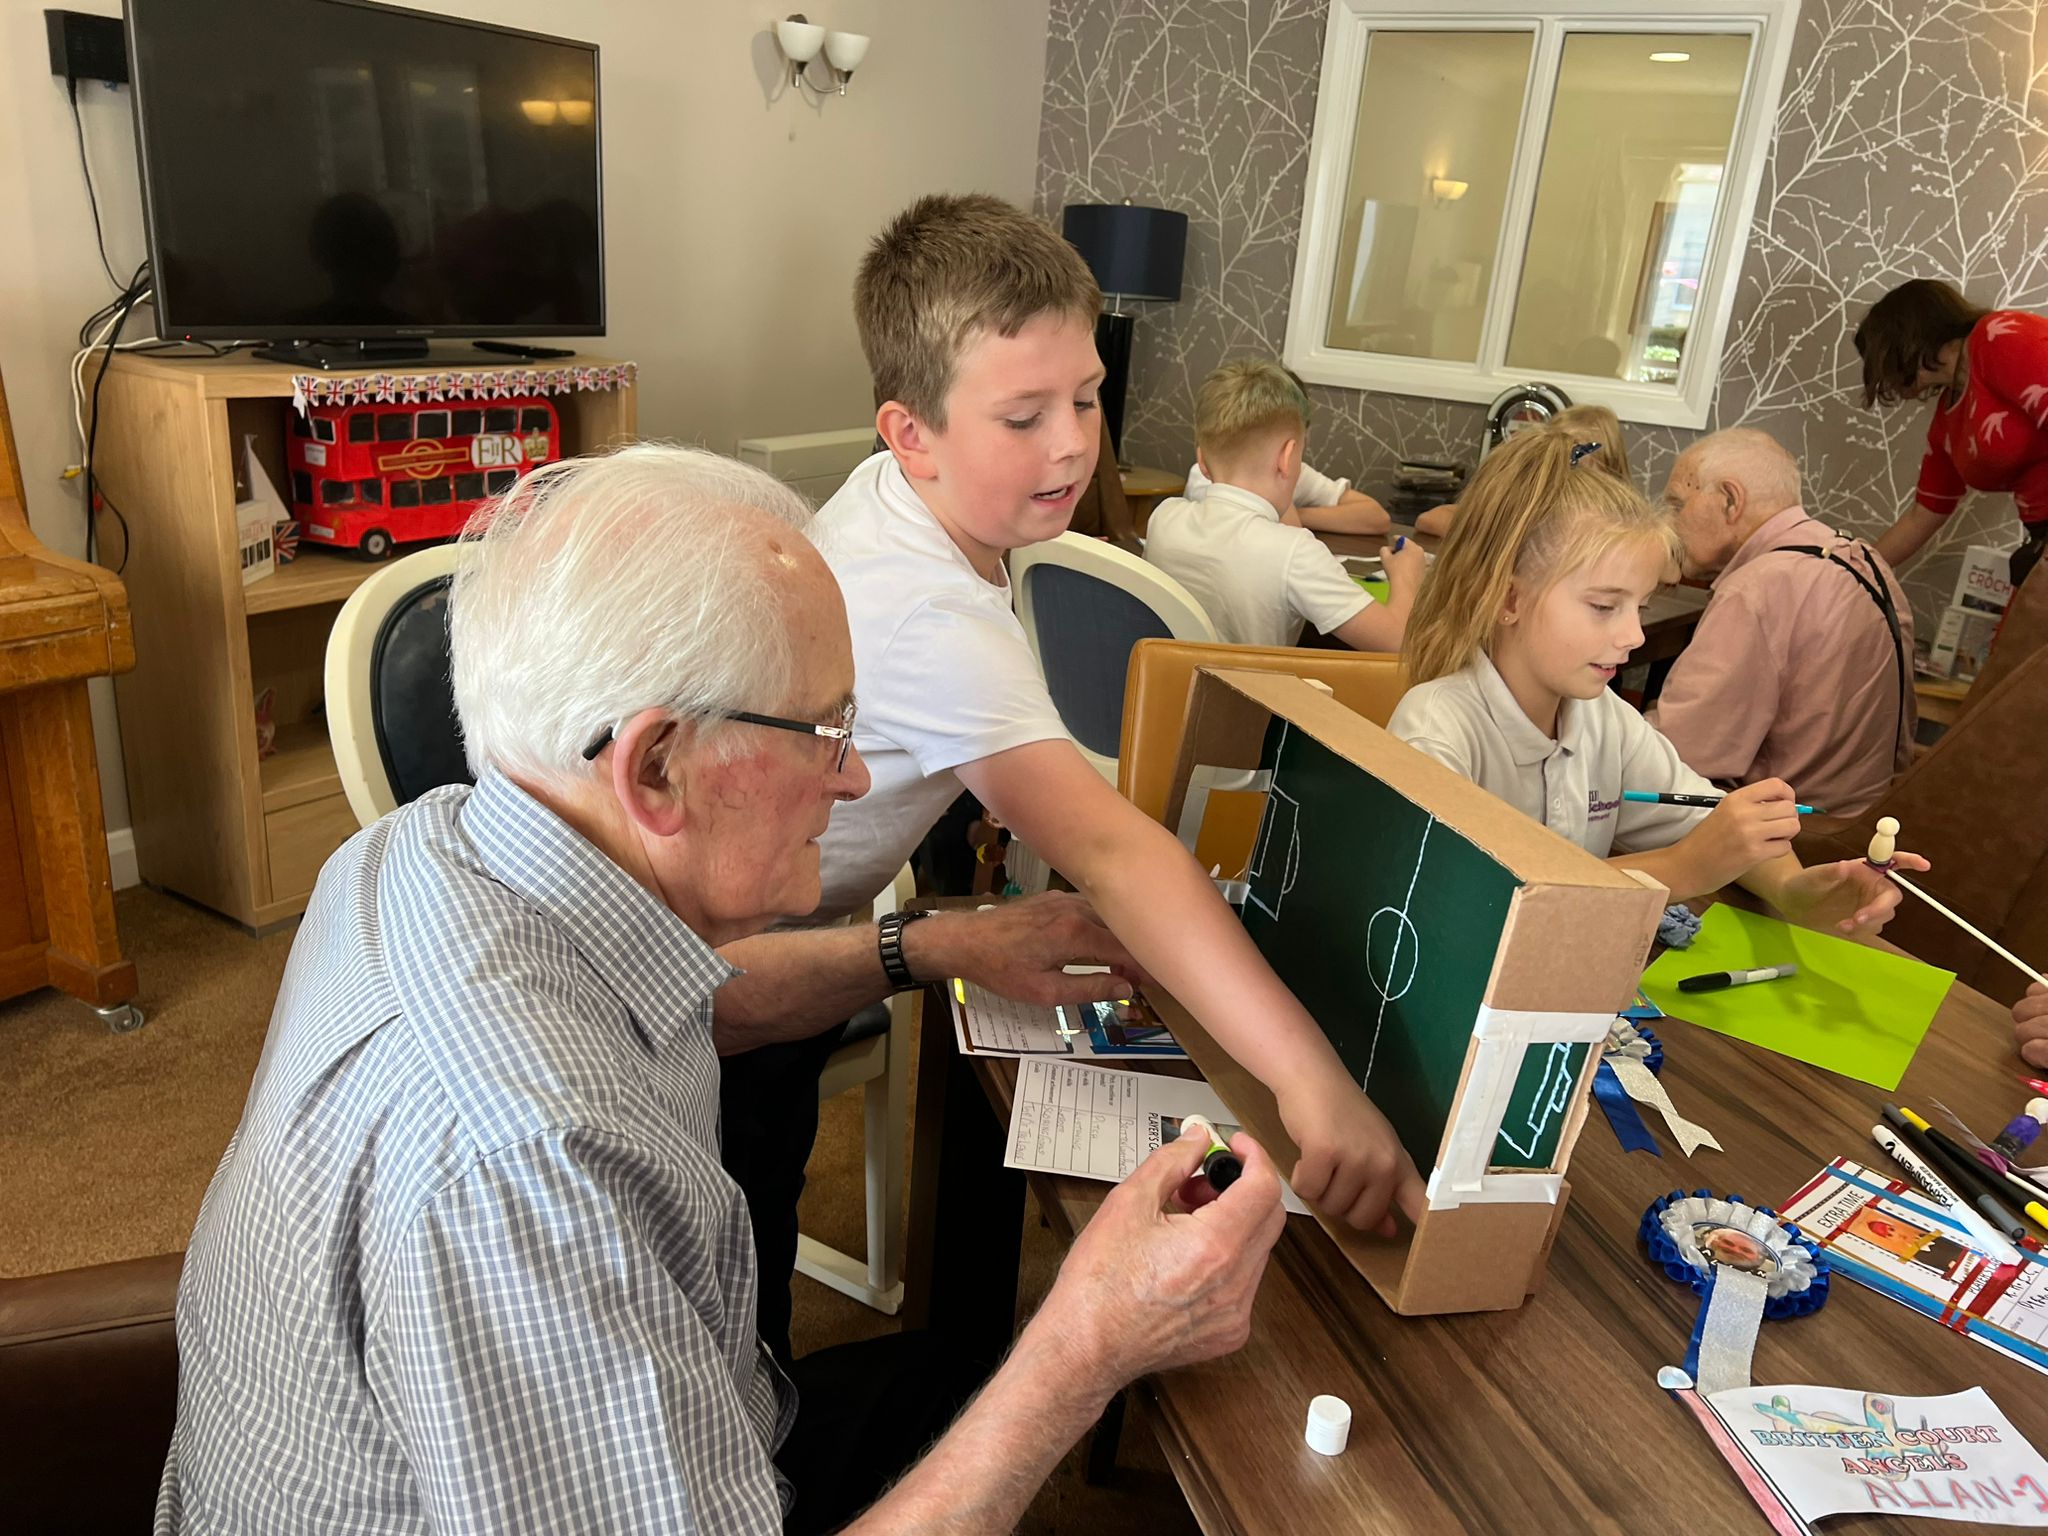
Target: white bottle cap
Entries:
(1329, 1424)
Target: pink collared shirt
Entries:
(1792, 673)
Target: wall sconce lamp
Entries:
(844, 51)
(801, 40)
(1446, 190)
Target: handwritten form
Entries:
(1099, 1123)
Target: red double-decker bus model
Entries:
(373, 476)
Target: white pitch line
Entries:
(1406, 923)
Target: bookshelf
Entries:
(243, 835)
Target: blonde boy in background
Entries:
(1320, 503)
(978, 325)
(1260, 580)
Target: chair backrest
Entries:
(1103, 510)
(390, 696)
(2022, 632)
(1369, 683)
(1156, 712)
(1084, 604)
(1972, 806)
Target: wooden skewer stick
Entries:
(1967, 926)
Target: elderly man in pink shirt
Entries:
(1801, 668)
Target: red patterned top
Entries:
(1995, 437)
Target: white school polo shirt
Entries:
(1314, 489)
(1469, 721)
(1256, 578)
(942, 671)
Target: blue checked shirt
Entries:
(470, 1262)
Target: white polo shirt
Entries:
(1258, 579)
(1314, 489)
(942, 671)
(1469, 721)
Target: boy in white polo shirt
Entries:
(978, 325)
(1259, 579)
(1326, 505)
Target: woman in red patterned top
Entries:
(1989, 372)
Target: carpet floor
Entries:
(107, 1142)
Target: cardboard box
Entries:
(1464, 961)
(1984, 584)
(1963, 641)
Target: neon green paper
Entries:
(1375, 586)
(1852, 1009)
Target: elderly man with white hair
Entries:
(1801, 668)
(471, 1261)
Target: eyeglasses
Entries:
(841, 733)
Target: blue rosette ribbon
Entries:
(1632, 1040)
(1744, 1263)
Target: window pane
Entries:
(1437, 118)
(1625, 201)
(362, 426)
(433, 424)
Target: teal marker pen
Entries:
(1645, 797)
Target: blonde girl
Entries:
(1533, 604)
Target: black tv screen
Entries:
(333, 169)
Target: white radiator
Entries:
(815, 463)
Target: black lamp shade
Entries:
(1136, 253)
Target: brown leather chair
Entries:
(1156, 711)
(2023, 631)
(1973, 806)
(88, 1395)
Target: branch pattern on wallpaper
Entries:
(1912, 141)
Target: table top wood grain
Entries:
(1548, 1418)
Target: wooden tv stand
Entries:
(212, 822)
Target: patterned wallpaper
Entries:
(1911, 141)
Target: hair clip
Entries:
(1580, 450)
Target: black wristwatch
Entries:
(890, 934)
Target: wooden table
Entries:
(1940, 699)
(1668, 622)
(1145, 488)
(1543, 1419)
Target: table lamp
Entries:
(1136, 255)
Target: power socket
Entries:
(87, 47)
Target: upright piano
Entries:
(61, 621)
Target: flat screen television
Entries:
(346, 171)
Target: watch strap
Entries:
(889, 935)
